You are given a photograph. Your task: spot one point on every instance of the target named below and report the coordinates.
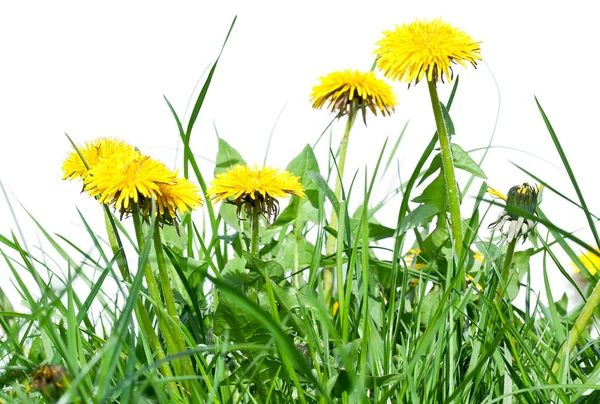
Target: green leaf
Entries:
(519, 267)
(434, 194)
(299, 166)
(430, 304)
(463, 161)
(227, 157)
(264, 269)
(235, 271)
(238, 323)
(324, 187)
(447, 121)
(295, 253)
(377, 231)
(422, 214)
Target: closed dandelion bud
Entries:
(523, 197)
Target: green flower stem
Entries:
(140, 311)
(167, 291)
(448, 164)
(255, 229)
(331, 240)
(508, 257)
(164, 325)
(580, 324)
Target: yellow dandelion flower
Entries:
(255, 189)
(341, 91)
(591, 262)
(93, 151)
(425, 48)
(127, 177)
(181, 195)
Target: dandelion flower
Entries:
(591, 262)
(255, 189)
(73, 167)
(513, 226)
(425, 48)
(126, 177)
(342, 91)
(180, 195)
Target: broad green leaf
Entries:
(235, 271)
(422, 214)
(324, 187)
(263, 269)
(434, 194)
(227, 157)
(239, 324)
(519, 267)
(295, 253)
(463, 161)
(430, 304)
(377, 231)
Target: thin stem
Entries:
(331, 240)
(255, 229)
(508, 257)
(580, 324)
(448, 164)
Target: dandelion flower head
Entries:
(591, 262)
(255, 189)
(421, 48)
(93, 151)
(120, 176)
(341, 91)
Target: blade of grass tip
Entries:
(272, 133)
(565, 161)
(14, 216)
(548, 186)
(395, 148)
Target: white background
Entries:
(92, 70)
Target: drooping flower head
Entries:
(522, 197)
(255, 189)
(425, 48)
(347, 90)
(127, 180)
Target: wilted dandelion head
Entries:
(343, 91)
(50, 380)
(255, 189)
(425, 48)
(523, 197)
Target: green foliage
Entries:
(194, 317)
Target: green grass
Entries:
(219, 325)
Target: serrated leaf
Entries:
(324, 187)
(235, 271)
(295, 253)
(239, 324)
(519, 267)
(377, 231)
(263, 269)
(431, 302)
(227, 157)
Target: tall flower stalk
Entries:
(136, 185)
(428, 49)
(346, 93)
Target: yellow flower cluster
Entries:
(120, 176)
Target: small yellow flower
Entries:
(591, 262)
(73, 167)
(255, 189)
(425, 48)
(342, 91)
